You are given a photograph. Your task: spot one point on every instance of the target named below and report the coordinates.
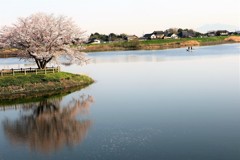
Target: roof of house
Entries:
(147, 35)
(158, 32)
(170, 34)
(223, 31)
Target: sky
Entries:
(131, 16)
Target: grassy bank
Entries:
(158, 44)
(32, 86)
(145, 45)
(10, 52)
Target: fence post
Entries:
(58, 68)
(45, 71)
(25, 73)
(53, 70)
(36, 71)
(2, 73)
(13, 72)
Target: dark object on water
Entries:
(189, 48)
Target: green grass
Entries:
(137, 44)
(32, 79)
(36, 86)
(166, 41)
(161, 41)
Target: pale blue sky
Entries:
(128, 16)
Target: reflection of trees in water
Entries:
(49, 127)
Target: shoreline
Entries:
(39, 86)
(142, 45)
(154, 47)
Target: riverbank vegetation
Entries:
(147, 44)
(30, 86)
(160, 43)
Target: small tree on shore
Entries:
(44, 37)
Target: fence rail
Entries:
(13, 107)
(25, 71)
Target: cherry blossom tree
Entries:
(45, 37)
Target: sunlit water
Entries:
(168, 104)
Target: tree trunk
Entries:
(42, 63)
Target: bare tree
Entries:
(44, 37)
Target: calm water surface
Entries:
(169, 104)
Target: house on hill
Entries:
(159, 34)
(171, 35)
(222, 33)
(211, 33)
(94, 41)
(149, 36)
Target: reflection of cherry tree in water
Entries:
(49, 126)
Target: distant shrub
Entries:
(135, 44)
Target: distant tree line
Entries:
(178, 33)
(107, 38)
(184, 33)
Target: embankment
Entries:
(157, 44)
(33, 86)
(162, 44)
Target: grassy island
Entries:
(33, 86)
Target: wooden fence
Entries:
(25, 71)
(13, 107)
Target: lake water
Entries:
(145, 105)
